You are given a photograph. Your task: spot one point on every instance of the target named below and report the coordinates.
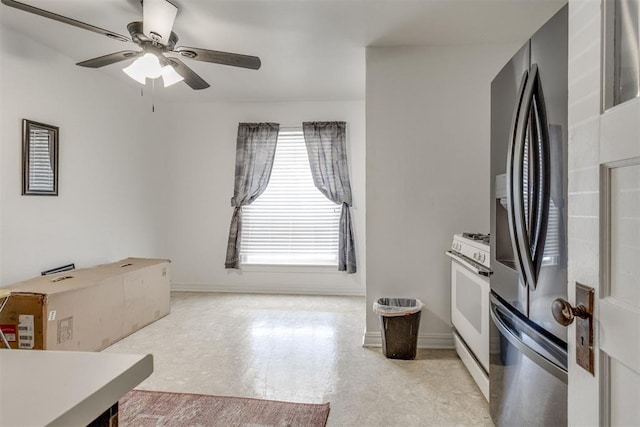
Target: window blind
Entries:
(291, 223)
(40, 170)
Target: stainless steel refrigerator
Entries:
(528, 360)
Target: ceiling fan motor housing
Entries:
(141, 39)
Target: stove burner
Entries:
(484, 238)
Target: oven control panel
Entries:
(480, 256)
(474, 247)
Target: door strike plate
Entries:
(584, 327)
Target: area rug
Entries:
(141, 408)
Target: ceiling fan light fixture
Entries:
(158, 18)
(147, 65)
(170, 76)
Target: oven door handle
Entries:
(478, 269)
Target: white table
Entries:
(64, 388)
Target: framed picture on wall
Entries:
(39, 159)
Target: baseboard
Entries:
(434, 341)
(268, 289)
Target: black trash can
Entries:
(399, 324)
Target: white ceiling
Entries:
(310, 49)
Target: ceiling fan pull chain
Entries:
(153, 92)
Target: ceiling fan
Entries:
(155, 37)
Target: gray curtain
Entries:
(326, 148)
(255, 150)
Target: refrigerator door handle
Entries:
(522, 241)
(530, 239)
(511, 207)
(516, 341)
(540, 217)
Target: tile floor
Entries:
(302, 349)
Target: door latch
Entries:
(564, 314)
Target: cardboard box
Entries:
(86, 309)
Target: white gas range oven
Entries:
(470, 262)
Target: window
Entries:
(291, 223)
(621, 51)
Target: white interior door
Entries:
(604, 208)
(619, 303)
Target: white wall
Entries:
(427, 173)
(106, 208)
(136, 183)
(2, 138)
(199, 186)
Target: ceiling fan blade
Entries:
(109, 59)
(216, 57)
(64, 19)
(190, 77)
(158, 18)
